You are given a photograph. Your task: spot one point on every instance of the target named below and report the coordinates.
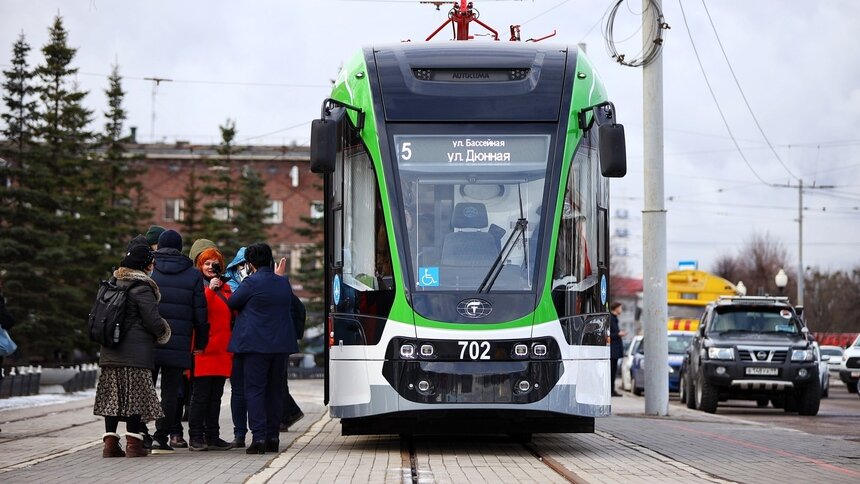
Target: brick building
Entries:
(293, 190)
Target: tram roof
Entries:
(466, 81)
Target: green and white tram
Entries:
(467, 262)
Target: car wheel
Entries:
(691, 392)
(707, 396)
(852, 386)
(636, 390)
(809, 400)
(682, 389)
(762, 402)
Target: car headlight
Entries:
(802, 355)
(721, 353)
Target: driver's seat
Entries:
(468, 245)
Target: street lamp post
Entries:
(781, 280)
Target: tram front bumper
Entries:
(516, 382)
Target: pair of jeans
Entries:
(238, 406)
(171, 379)
(613, 371)
(264, 393)
(205, 408)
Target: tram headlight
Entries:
(407, 351)
(427, 350)
(523, 386)
(521, 350)
(423, 386)
(539, 350)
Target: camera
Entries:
(216, 267)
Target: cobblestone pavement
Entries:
(61, 443)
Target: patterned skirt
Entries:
(124, 391)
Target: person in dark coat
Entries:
(616, 346)
(263, 338)
(183, 305)
(125, 390)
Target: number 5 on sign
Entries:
(406, 151)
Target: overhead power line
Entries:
(743, 95)
(714, 97)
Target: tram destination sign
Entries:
(420, 152)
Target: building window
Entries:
(317, 209)
(275, 212)
(222, 213)
(173, 209)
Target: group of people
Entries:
(195, 322)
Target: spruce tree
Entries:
(192, 227)
(119, 194)
(69, 254)
(312, 274)
(26, 213)
(252, 209)
(18, 91)
(219, 190)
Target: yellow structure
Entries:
(689, 292)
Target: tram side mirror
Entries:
(612, 149)
(324, 140)
(323, 145)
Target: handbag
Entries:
(7, 346)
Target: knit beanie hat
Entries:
(153, 233)
(170, 239)
(138, 255)
(198, 247)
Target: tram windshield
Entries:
(472, 206)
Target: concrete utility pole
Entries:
(655, 312)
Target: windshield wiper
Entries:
(496, 268)
(738, 330)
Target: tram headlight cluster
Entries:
(521, 351)
(407, 351)
(411, 350)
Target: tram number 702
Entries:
(477, 350)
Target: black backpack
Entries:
(106, 322)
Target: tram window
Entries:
(576, 258)
(361, 241)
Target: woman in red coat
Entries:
(212, 365)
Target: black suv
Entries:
(752, 348)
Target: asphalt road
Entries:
(838, 416)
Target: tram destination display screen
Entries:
(446, 152)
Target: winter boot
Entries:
(112, 448)
(134, 445)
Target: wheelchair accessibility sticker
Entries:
(428, 277)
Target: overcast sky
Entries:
(268, 65)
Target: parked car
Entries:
(834, 364)
(753, 348)
(823, 372)
(849, 373)
(627, 361)
(678, 341)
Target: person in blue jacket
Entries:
(263, 338)
(237, 269)
(183, 305)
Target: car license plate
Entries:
(762, 371)
(855, 374)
